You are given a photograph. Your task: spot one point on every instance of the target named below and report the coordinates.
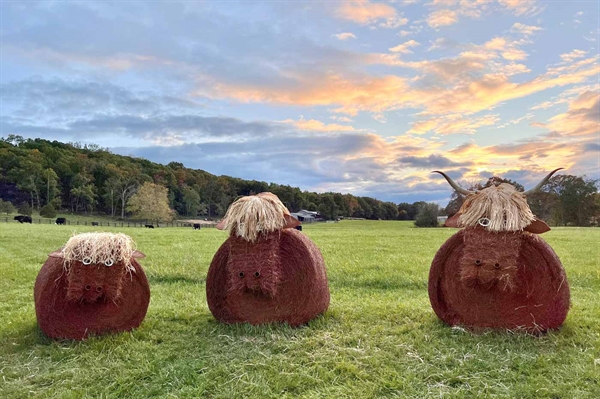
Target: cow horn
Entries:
(540, 184)
(454, 185)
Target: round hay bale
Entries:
(75, 298)
(498, 280)
(280, 277)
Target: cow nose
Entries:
(478, 262)
(98, 289)
(88, 287)
(257, 274)
(497, 265)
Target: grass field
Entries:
(379, 338)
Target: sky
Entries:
(362, 97)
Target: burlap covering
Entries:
(509, 280)
(90, 299)
(279, 278)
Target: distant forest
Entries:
(89, 179)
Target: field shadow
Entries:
(24, 338)
(379, 284)
(175, 279)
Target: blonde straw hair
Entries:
(251, 216)
(99, 248)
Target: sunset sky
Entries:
(347, 96)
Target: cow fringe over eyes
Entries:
(503, 205)
(255, 215)
(99, 248)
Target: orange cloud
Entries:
(345, 36)
(404, 47)
(318, 126)
(443, 17)
(364, 12)
(522, 7)
(453, 124)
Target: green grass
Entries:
(379, 338)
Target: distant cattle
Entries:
(61, 221)
(196, 226)
(23, 219)
(299, 228)
(94, 223)
(148, 226)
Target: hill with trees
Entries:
(37, 173)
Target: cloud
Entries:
(522, 7)
(453, 124)
(523, 29)
(345, 36)
(432, 161)
(582, 117)
(442, 18)
(404, 47)
(318, 126)
(364, 12)
(573, 55)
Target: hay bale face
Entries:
(93, 285)
(497, 272)
(266, 271)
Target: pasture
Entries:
(379, 338)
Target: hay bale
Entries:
(92, 286)
(266, 271)
(510, 280)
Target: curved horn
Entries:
(540, 184)
(454, 185)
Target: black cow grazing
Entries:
(23, 219)
(94, 223)
(61, 221)
(148, 226)
(196, 226)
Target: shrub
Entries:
(427, 216)
(48, 211)
(7, 207)
(25, 209)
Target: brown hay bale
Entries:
(519, 283)
(280, 277)
(78, 300)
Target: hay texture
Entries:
(255, 215)
(504, 206)
(266, 271)
(507, 280)
(74, 300)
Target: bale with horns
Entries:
(497, 272)
(93, 285)
(266, 271)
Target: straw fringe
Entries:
(255, 215)
(503, 205)
(99, 247)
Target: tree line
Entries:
(38, 174)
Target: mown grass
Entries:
(379, 339)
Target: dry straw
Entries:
(251, 216)
(504, 206)
(99, 248)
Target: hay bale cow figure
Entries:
(497, 272)
(93, 285)
(266, 271)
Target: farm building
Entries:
(307, 216)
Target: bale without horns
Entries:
(296, 289)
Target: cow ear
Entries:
(138, 254)
(291, 222)
(57, 254)
(453, 221)
(537, 227)
(221, 224)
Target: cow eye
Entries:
(257, 274)
(86, 261)
(497, 265)
(241, 274)
(478, 262)
(109, 262)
